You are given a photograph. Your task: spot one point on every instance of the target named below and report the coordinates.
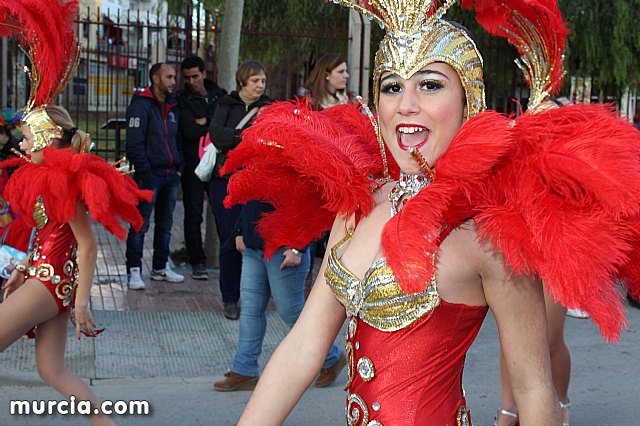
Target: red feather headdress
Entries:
(44, 31)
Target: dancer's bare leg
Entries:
(29, 305)
(507, 403)
(51, 340)
(560, 364)
(560, 356)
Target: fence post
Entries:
(359, 56)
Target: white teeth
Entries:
(411, 130)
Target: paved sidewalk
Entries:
(167, 344)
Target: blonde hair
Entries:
(73, 137)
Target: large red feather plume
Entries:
(537, 30)
(290, 157)
(44, 30)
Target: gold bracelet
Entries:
(21, 268)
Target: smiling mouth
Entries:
(411, 136)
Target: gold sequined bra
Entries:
(377, 299)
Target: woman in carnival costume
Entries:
(55, 189)
(439, 211)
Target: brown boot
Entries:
(329, 375)
(235, 382)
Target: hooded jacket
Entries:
(152, 130)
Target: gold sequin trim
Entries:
(64, 291)
(43, 272)
(40, 214)
(353, 327)
(356, 410)
(377, 299)
(63, 287)
(464, 416)
(366, 369)
(68, 268)
(348, 348)
(374, 423)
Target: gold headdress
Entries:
(416, 36)
(45, 34)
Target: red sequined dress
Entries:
(405, 351)
(53, 258)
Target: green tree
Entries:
(604, 41)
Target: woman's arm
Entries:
(517, 303)
(87, 253)
(299, 357)
(222, 132)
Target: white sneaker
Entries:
(166, 274)
(577, 313)
(135, 279)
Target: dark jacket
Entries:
(192, 106)
(152, 132)
(231, 109)
(247, 222)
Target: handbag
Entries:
(204, 142)
(9, 256)
(207, 163)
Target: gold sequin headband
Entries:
(416, 36)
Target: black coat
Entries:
(224, 135)
(192, 106)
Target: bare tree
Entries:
(229, 48)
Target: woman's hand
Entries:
(15, 280)
(84, 321)
(291, 260)
(240, 243)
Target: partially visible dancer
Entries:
(328, 82)
(281, 277)
(234, 115)
(197, 104)
(560, 356)
(56, 188)
(433, 222)
(152, 148)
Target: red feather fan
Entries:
(295, 154)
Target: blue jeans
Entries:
(260, 280)
(165, 193)
(230, 259)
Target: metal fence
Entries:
(118, 50)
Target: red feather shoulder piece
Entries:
(64, 177)
(311, 166)
(556, 193)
